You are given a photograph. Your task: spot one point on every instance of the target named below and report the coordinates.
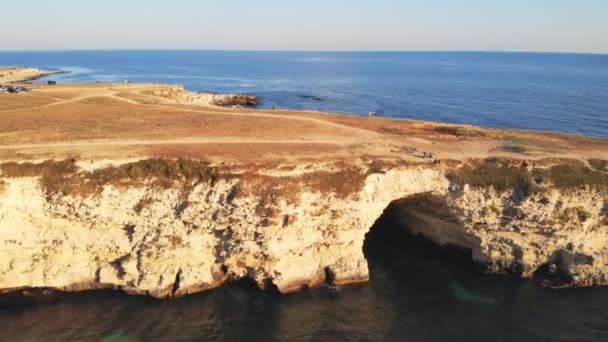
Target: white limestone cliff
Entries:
(167, 241)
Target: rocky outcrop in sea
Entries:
(180, 95)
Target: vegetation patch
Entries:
(582, 214)
(502, 174)
(63, 177)
(457, 131)
(28, 169)
(450, 130)
(493, 209)
(547, 141)
(508, 174)
(514, 149)
(576, 215)
(343, 183)
(392, 130)
(176, 240)
(599, 164)
(576, 175)
(143, 204)
(376, 166)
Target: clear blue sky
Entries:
(537, 25)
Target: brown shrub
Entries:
(492, 209)
(450, 130)
(575, 176)
(501, 174)
(142, 204)
(62, 177)
(575, 215)
(28, 169)
(341, 184)
(599, 164)
(457, 131)
(377, 166)
(176, 240)
(514, 149)
(505, 174)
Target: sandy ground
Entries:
(122, 121)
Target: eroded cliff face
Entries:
(170, 228)
(558, 238)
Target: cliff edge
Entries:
(130, 189)
(20, 74)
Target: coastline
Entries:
(173, 195)
(526, 101)
(12, 75)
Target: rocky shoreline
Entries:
(181, 95)
(227, 99)
(23, 74)
(11, 75)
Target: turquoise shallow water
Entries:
(566, 92)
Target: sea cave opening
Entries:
(398, 251)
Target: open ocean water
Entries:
(413, 294)
(548, 91)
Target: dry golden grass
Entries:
(343, 183)
(22, 100)
(502, 174)
(127, 121)
(576, 176)
(507, 174)
(64, 178)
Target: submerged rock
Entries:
(312, 97)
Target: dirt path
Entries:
(197, 141)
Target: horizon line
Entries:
(308, 50)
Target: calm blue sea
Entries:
(566, 92)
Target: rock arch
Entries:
(423, 227)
